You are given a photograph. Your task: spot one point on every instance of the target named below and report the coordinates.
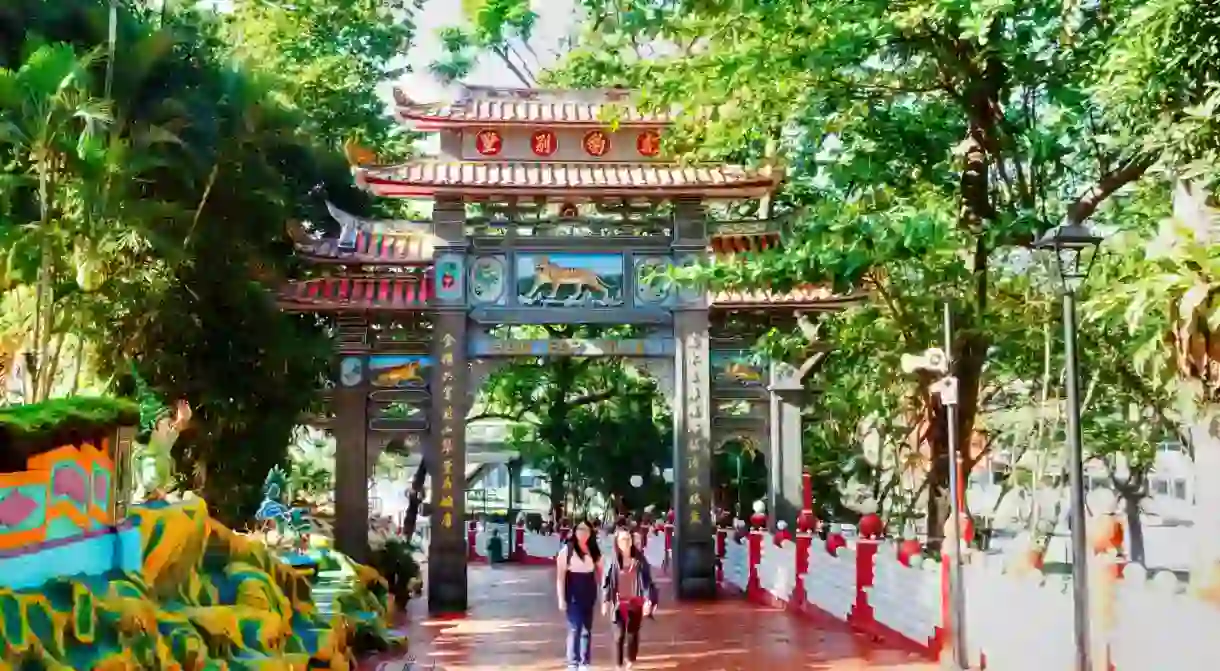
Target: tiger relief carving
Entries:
(557, 277)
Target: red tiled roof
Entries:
(341, 293)
(372, 249)
(808, 296)
(430, 178)
(525, 107)
(723, 245)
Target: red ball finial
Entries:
(871, 526)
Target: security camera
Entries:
(931, 361)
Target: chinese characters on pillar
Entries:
(697, 452)
(449, 419)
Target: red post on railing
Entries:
(804, 541)
(866, 556)
(720, 539)
(519, 541)
(754, 555)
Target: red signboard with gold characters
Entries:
(596, 143)
(648, 143)
(488, 142)
(543, 143)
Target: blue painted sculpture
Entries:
(274, 513)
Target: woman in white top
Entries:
(578, 577)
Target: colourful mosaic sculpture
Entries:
(163, 587)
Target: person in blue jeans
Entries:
(577, 583)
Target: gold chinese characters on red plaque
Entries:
(543, 143)
(596, 143)
(488, 142)
(648, 143)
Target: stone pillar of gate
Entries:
(514, 491)
(694, 542)
(446, 453)
(785, 486)
(349, 403)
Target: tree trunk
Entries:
(559, 493)
(1135, 528)
(1205, 439)
(415, 498)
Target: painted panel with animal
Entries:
(570, 280)
(736, 369)
(399, 371)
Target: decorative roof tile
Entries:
(526, 107)
(357, 294)
(370, 249)
(431, 178)
(808, 296)
(727, 245)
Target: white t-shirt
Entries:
(578, 564)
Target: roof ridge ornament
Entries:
(401, 97)
(359, 156)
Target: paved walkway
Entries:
(513, 625)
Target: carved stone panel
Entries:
(351, 371)
(569, 280)
(688, 295)
(652, 284)
(392, 410)
(450, 279)
(489, 280)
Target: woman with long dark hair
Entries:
(579, 571)
(630, 591)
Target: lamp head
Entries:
(1075, 248)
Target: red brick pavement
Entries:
(513, 625)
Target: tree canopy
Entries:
(148, 179)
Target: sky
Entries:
(556, 19)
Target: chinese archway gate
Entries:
(543, 212)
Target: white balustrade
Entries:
(777, 568)
(736, 564)
(483, 535)
(906, 598)
(542, 545)
(654, 551)
(1020, 623)
(830, 582)
(1159, 626)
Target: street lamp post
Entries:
(1070, 243)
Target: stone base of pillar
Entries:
(695, 564)
(447, 587)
